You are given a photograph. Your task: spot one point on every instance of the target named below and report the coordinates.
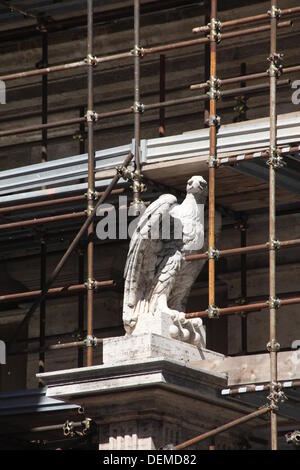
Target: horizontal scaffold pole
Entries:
(54, 292)
(246, 308)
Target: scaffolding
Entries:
(214, 32)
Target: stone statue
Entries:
(158, 280)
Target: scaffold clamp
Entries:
(91, 60)
(276, 67)
(138, 51)
(91, 116)
(213, 253)
(293, 438)
(213, 162)
(92, 195)
(138, 108)
(86, 425)
(213, 311)
(275, 160)
(214, 121)
(134, 177)
(273, 346)
(274, 302)
(138, 186)
(68, 429)
(128, 175)
(275, 244)
(90, 341)
(214, 84)
(275, 12)
(215, 27)
(91, 284)
(276, 396)
(123, 171)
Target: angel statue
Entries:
(158, 279)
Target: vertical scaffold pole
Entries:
(44, 158)
(213, 123)
(43, 270)
(137, 109)
(244, 318)
(91, 184)
(81, 299)
(44, 152)
(162, 95)
(206, 63)
(81, 256)
(274, 162)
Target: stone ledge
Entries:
(74, 383)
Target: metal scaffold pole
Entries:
(91, 184)
(44, 158)
(225, 427)
(244, 322)
(81, 303)
(138, 108)
(162, 95)
(206, 64)
(274, 162)
(137, 84)
(212, 162)
(43, 308)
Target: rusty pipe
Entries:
(247, 308)
(272, 216)
(244, 250)
(137, 84)
(253, 76)
(162, 95)
(244, 419)
(248, 20)
(212, 156)
(91, 179)
(198, 41)
(80, 305)
(39, 127)
(42, 220)
(52, 202)
(54, 292)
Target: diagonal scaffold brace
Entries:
(225, 427)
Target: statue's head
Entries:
(196, 185)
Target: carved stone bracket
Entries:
(190, 331)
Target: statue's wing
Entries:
(145, 246)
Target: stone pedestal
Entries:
(146, 346)
(147, 394)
